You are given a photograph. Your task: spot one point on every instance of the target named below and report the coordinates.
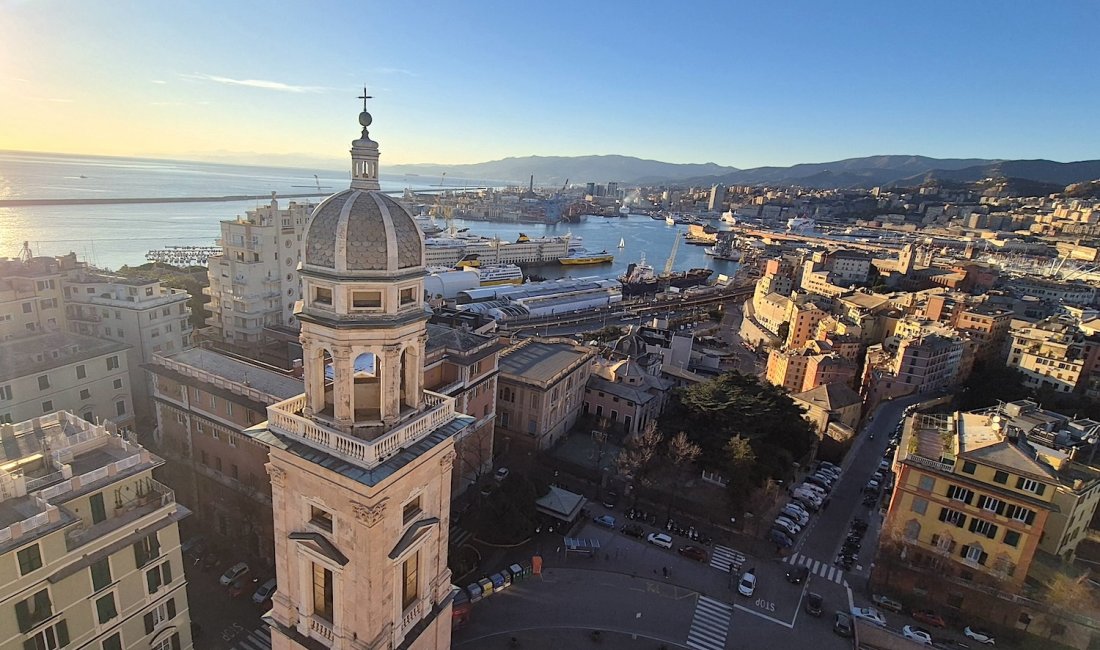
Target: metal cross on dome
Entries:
(365, 97)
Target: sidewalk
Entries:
(544, 639)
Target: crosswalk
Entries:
(822, 569)
(710, 625)
(258, 639)
(722, 558)
(459, 535)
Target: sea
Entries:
(113, 235)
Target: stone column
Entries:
(342, 388)
(390, 383)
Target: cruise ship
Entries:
(447, 251)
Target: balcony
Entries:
(412, 616)
(287, 418)
(85, 316)
(156, 496)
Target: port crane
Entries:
(672, 256)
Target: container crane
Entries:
(672, 256)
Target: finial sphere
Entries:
(364, 119)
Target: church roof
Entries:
(362, 230)
(829, 396)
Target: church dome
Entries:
(362, 231)
(630, 345)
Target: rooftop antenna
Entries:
(25, 254)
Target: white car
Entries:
(870, 614)
(787, 525)
(747, 586)
(916, 634)
(659, 539)
(806, 496)
(816, 489)
(264, 592)
(979, 635)
(232, 573)
(501, 474)
(796, 515)
(794, 505)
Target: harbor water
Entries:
(110, 236)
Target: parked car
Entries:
(869, 614)
(239, 586)
(796, 575)
(796, 515)
(889, 604)
(607, 521)
(916, 634)
(747, 585)
(501, 473)
(659, 539)
(815, 481)
(264, 592)
(816, 489)
(804, 493)
(634, 530)
(798, 506)
(884, 465)
(779, 538)
(694, 553)
(928, 617)
(610, 499)
(872, 487)
(787, 525)
(814, 604)
(232, 573)
(825, 476)
(979, 635)
(812, 504)
(842, 624)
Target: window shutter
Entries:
(176, 641)
(992, 532)
(31, 644)
(1020, 483)
(973, 524)
(154, 545)
(964, 550)
(961, 521)
(1001, 508)
(1042, 488)
(171, 608)
(23, 615)
(139, 555)
(1030, 517)
(152, 578)
(943, 514)
(149, 623)
(167, 572)
(969, 496)
(62, 629)
(983, 557)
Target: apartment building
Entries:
(205, 401)
(463, 365)
(969, 508)
(30, 296)
(254, 282)
(540, 390)
(141, 313)
(921, 364)
(987, 327)
(808, 368)
(92, 541)
(43, 373)
(834, 410)
(1056, 354)
(627, 390)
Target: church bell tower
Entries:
(361, 463)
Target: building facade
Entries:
(92, 542)
(30, 296)
(540, 390)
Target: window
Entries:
(113, 642)
(229, 408)
(33, 610)
(101, 574)
(411, 510)
(1030, 485)
(322, 296)
(51, 638)
(120, 407)
(5, 393)
(407, 296)
(27, 307)
(105, 608)
(1000, 477)
(146, 550)
(1012, 538)
(171, 643)
(213, 403)
(982, 527)
(88, 416)
(218, 463)
(919, 505)
(952, 517)
(112, 363)
(117, 384)
(158, 575)
(320, 518)
(43, 382)
(322, 592)
(166, 611)
(366, 299)
(969, 467)
(974, 553)
(926, 483)
(991, 504)
(85, 394)
(960, 494)
(409, 585)
(30, 559)
(81, 372)
(47, 406)
(1019, 513)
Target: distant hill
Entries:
(866, 172)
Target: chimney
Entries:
(296, 368)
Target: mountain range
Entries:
(866, 172)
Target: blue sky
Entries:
(743, 84)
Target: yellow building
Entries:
(967, 513)
(90, 541)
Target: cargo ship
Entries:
(640, 279)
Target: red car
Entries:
(694, 552)
(928, 617)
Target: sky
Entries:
(736, 83)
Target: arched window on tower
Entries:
(368, 389)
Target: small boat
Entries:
(583, 256)
(670, 220)
(624, 212)
(622, 242)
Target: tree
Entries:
(740, 459)
(599, 438)
(635, 462)
(783, 332)
(1068, 593)
(682, 453)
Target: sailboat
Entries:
(622, 242)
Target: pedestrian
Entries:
(664, 571)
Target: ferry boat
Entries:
(448, 250)
(183, 255)
(583, 256)
(492, 274)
